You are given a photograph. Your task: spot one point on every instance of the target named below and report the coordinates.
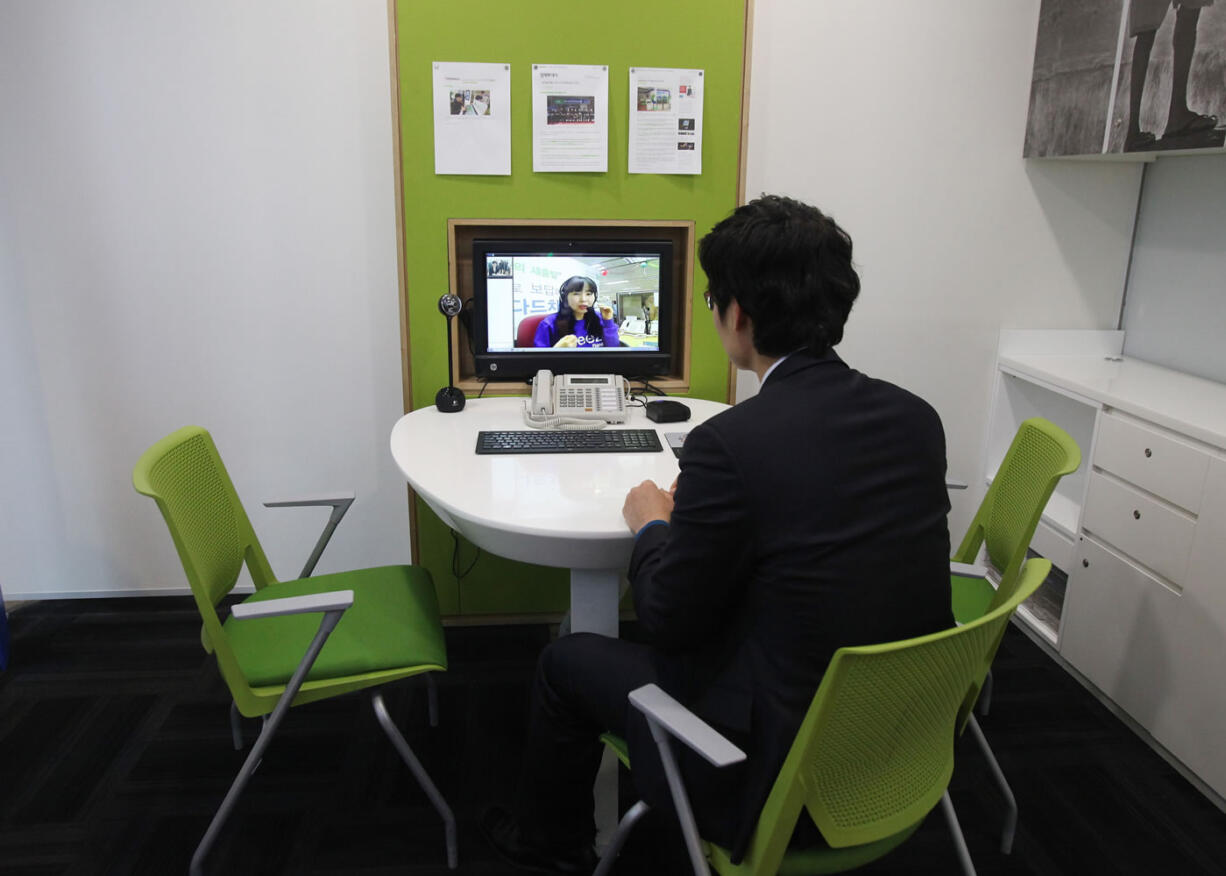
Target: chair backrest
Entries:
(876, 748)
(525, 332)
(184, 474)
(1041, 454)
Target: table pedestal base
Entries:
(594, 596)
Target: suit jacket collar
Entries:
(801, 360)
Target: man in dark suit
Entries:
(809, 517)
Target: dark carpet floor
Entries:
(115, 752)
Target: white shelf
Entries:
(1031, 620)
(1055, 545)
(1063, 514)
(1018, 398)
(1189, 405)
(1128, 628)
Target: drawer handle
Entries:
(1148, 453)
(1085, 564)
(1136, 515)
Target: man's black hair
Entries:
(788, 265)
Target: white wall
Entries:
(905, 121)
(197, 225)
(1175, 310)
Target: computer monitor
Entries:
(522, 319)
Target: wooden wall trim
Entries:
(461, 231)
(743, 148)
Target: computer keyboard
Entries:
(572, 441)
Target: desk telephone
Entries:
(576, 401)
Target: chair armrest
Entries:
(685, 726)
(337, 600)
(344, 497)
(339, 503)
(668, 719)
(968, 570)
(951, 484)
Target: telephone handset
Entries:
(576, 401)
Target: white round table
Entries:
(552, 509)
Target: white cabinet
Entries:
(1199, 735)
(1155, 534)
(1120, 630)
(1140, 530)
(1153, 460)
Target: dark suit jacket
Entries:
(806, 518)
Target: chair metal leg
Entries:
(419, 772)
(629, 820)
(985, 695)
(329, 622)
(681, 800)
(1010, 828)
(432, 698)
(236, 726)
(955, 831)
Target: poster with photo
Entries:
(472, 118)
(1127, 76)
(1170, 93)
(665, 120)
(570, 118)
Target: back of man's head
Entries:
(788, 266)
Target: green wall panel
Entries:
(679, 33)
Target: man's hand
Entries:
(606, 313)
(646, 503)
(567, 341)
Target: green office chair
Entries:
(1040, 455)
(873, 755)
(274, 651)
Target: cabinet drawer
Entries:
(1151, 460)
(1146, 530)
(1121, 631)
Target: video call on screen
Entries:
(520, 287)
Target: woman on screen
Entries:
(577, 324)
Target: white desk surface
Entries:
(1190, 405)
(551, 509)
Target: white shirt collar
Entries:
(776, 364)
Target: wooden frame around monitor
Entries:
(462, 232)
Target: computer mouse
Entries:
(667, 411)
